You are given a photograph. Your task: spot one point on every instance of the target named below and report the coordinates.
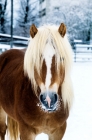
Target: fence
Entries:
(82, 52)
(18, 42)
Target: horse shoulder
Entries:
(3, 62)
(10, 55)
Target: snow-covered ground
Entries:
(80, 119)
(79, 123)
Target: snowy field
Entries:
(80, 119)
(79, 123)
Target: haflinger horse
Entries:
(36, 91)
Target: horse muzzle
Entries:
(49, 101)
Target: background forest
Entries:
(77, 15)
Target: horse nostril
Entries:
(41, 97)
(56, 97)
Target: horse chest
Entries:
(47, 123)
(48, 120)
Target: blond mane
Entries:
(33, 58)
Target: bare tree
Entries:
(79, 19)
(27, 14)
(77, 15)
(3, 17)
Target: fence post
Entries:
(11, 23)
(75, 53)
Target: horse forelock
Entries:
(33, 57)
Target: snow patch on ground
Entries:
(42, 136)
(80, 120)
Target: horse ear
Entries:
(62, 29)
(33, 30)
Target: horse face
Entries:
(51, 77)
(47, 63)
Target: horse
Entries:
(36, 90)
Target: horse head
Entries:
(47, 63)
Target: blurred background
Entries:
(16, 17)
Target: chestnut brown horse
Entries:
(35, 85)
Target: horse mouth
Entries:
(51, 109)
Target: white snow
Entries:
(80, 119)
(4, 47)
(42, 136)
(79, 123)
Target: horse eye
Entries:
(62, 59)
(46, 41)
(52, 43)
(40, 56)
